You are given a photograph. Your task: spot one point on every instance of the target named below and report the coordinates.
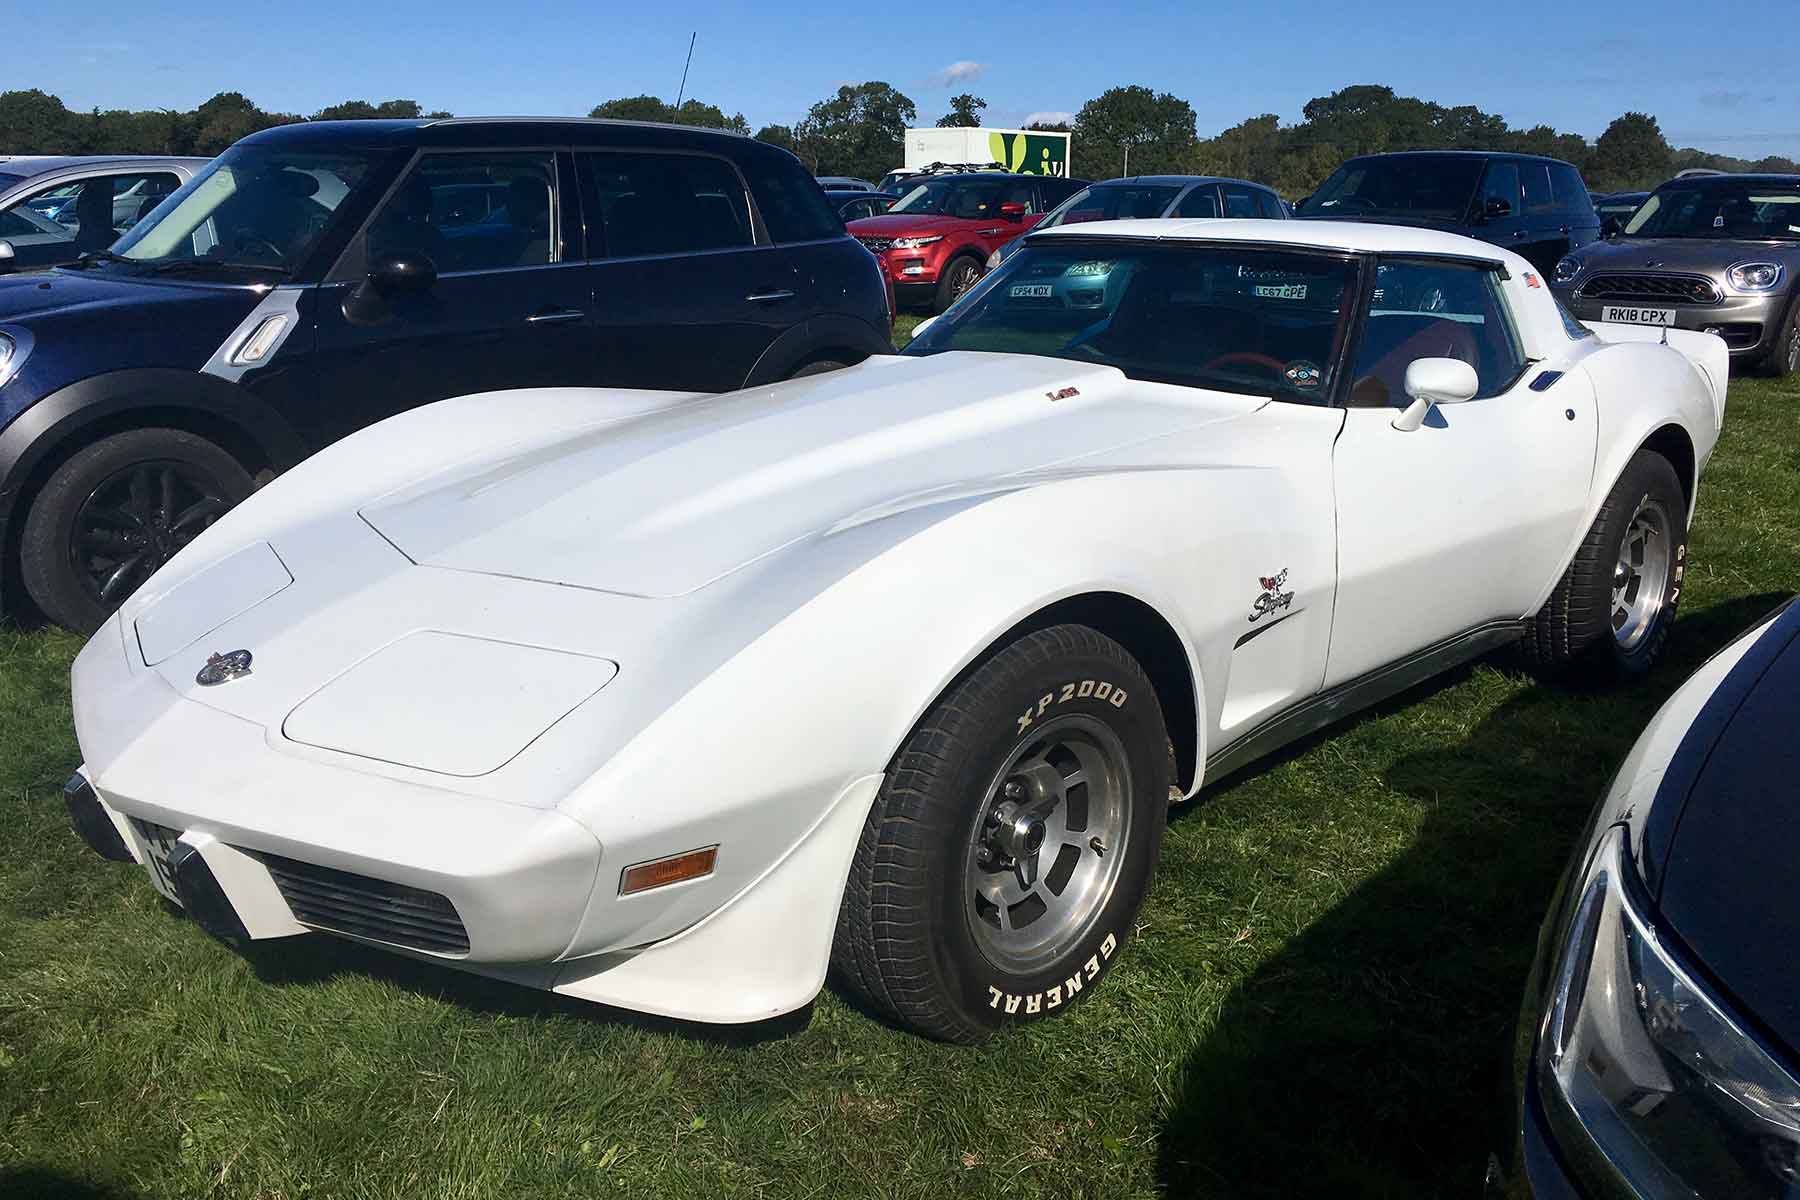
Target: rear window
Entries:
(666, 203)
(1571, 192)
(792, 206)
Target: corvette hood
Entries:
(667, 502)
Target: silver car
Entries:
(55, 209)
(1720, 253)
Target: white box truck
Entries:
(1028, 150)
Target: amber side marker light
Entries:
(661, 872)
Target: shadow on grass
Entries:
(1372, 1054)
(315, 958)
(43, 1183)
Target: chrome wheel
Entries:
(1640, 582)
(1048, 844)
(963, 277)
(1793, 347)
(136, 520)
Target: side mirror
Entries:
(391, 275)
(1432, 381)
(1612, 227)
(7, 254)
(1495, 208)
(1012, 210)
(922, 326)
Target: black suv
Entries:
(316, 278)
(1535, 207)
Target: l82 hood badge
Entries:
(223, 668)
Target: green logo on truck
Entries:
(1032, 153)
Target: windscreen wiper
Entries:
(91, 258)
(186, 265)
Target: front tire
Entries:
(959, 276)
(1783, 357)
(1013, 841)
(1613, 609)
(115, 512)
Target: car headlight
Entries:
(993, 260)
(1636, 1058)
(15, 348)
(1090, 268)
(1754, 276)
(1568, 267)
(914, 243)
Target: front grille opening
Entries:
(342, 902)
(1677, 289)
(877, 245)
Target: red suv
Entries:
(933, 244)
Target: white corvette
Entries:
(671, 702)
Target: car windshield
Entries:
(1417, 186)
(974, 199)
(1238, 318)
(1112, 201)
(1715, 208)
(254, 207)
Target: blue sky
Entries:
(1720, 75)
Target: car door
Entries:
(1465, 520)
(1547, 227)
(508, 307)
(56, 223)
(1500, 208)
(1580, 223)
(686, 295)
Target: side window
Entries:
(791, 206)
(485, 211)
(1239, 201)
(85, 214)
(1203, 201)
(1022, 192)
(666, 203)
(1502, 183)
(1268, 206)
(1571, 193)
(1534, 179)
(1433, 310)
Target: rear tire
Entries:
(1611, 613)
(1011, 846)
(960, 274)
(115, 512)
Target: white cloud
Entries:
(1049, 118)
(962, 71)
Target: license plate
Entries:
(1638, 316)
(159, 842)
(1279, 291)
(1031, 291)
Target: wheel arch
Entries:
(1149, 638)
(830, 336)
(1673, 443)
(47, 434)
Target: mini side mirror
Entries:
(1432, 381)
(1495, 209)
(7, 254)
(1012, 210)
(922, 326)
(1612, 227)
(391, 275)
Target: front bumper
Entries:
(1749, 324)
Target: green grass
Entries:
(1320, 999)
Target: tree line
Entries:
(860, 131)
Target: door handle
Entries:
(555, 316)
(991, 232)
(768, 297)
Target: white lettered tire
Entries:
(1011, 847)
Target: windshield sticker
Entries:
(1283, 291)
(1303, 375)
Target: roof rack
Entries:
(946, 168)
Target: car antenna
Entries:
(682, 91)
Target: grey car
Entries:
(1720, 253)
(1157, 196)
(55, 209)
